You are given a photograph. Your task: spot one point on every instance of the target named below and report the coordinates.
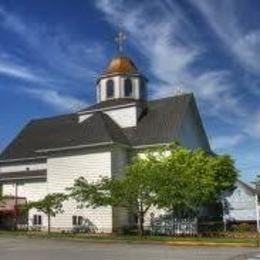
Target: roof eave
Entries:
(107, 75)
(130, 104)
(23, 159)
(79, 147)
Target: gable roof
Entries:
(63, 131)
(246, 186)
(101, 128)
(159, 122)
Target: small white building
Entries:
(50, 153)
(241, 205)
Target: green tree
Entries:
(136, 190)
(172, 177)
(51, 205)
(192, 179)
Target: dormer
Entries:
(125, 112)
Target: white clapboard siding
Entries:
(63, 170)
(240, 204)
(119, 162)
(124, 117)
(8, 189)
(32, 191)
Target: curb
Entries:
(209, 244)
(136, 242)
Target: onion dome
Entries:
(121, 65)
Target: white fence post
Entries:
(257, 213)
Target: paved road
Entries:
(26, 249)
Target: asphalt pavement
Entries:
(36, 249)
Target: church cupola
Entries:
(121, 78)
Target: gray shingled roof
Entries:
(63, 131)
(246, 185)
(159, 123)
(112, 103)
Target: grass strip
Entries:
(133, 239)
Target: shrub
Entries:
(243, 227)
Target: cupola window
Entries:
(110, 88)
(128, 88)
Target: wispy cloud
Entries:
(52, 60)
(58, 52)
(14, 70)
(243, 43)
(176, 59)
(59, 101)
(253, 127)
(173, 52)
(12, 22)
(227, 142)
(175, 55)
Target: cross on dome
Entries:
(120, 39)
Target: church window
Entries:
(110, 88)
(128, 88)
(74, 220)
(37, 220)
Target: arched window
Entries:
(128, 88)
(110, 88)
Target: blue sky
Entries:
(52, 51)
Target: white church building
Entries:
(50, 153)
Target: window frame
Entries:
(74, 220)
(77, 220)
(128, 80)
(37, 220)
(110, 89)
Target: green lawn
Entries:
(131, 238)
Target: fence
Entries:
(167, 225)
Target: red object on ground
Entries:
(11, 205)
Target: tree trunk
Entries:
(173, 226)
(49, 223)
(141, 220)
(141, 224)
